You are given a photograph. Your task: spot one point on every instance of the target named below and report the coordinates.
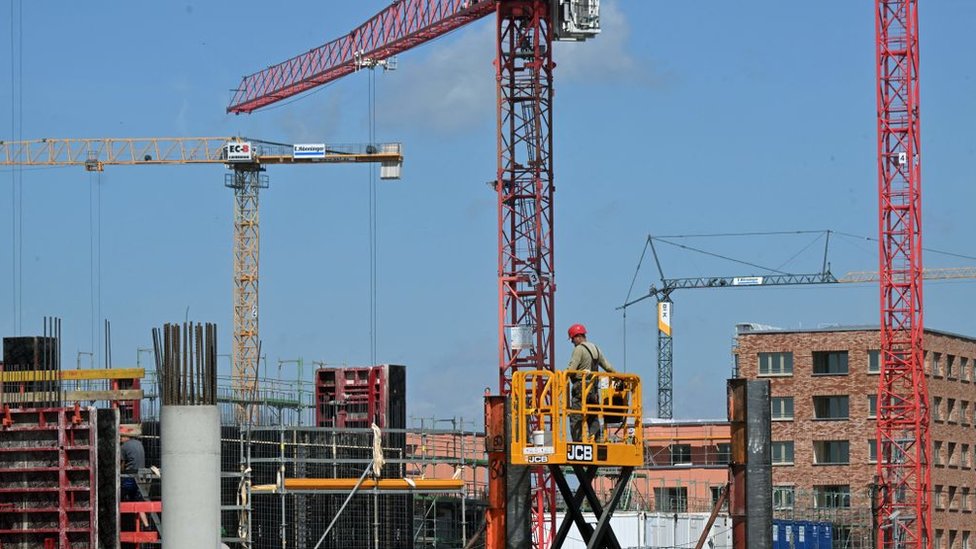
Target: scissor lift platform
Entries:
(544, 405)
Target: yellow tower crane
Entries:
(246, 158)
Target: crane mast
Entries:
(904, 514)
(246, 180)
(526, 274)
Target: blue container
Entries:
(798, 534)
(780, 528)
(813, 542)
(826, 535)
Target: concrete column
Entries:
(190, 445)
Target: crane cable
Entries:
(95, 260)
(372, 222)
(17, 174)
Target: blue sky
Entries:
(681, 118)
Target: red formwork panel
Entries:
(48, 491)
(358, 396)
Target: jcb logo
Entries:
(537, 459)
(579, 452)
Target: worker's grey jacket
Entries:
(586, 356)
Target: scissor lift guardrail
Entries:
(542, 410)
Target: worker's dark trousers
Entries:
(576, 419)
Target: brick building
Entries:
(824, 384)
(686, 464)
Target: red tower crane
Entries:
(525, 30)
(904, 514)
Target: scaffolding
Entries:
(281, 444)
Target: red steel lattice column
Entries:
(904, 514)
(526, 284)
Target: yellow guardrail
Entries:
(69, 375)
(584, 418)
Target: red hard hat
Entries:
(576, 329)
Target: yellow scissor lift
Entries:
(542, 412)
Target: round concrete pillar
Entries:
(190, 446)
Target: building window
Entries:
(830, 363)
(950, 410)
(935, 364)
(874, 362)
(872, 450)
(964, 368)
(716, 493)
(872, 406)
(964, 499)
(775, 364)
(680, 454)
(671, 500)
(951, 455)
(937, 452)
(964, 456)
(832, 496)
(936, 408)
(939, 503)
(964, 412)
(831, 452)
(782, 408)
(783, 497)
(724, 453)
(950, 362)
(831, 407)
(782, 452)
(965, 541)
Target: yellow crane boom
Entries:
(95, 154)
(247, 159)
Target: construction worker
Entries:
(132, 457)
(587, 357)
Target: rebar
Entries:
(187, 364)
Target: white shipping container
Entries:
(628, 526)
(669, 530)
(639, 530)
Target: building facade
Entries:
(686, 464)
(824, 385)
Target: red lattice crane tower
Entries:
(904, 515)
(525, 30)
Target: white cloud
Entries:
(606, 58)
(448, 90)
(448, 86)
